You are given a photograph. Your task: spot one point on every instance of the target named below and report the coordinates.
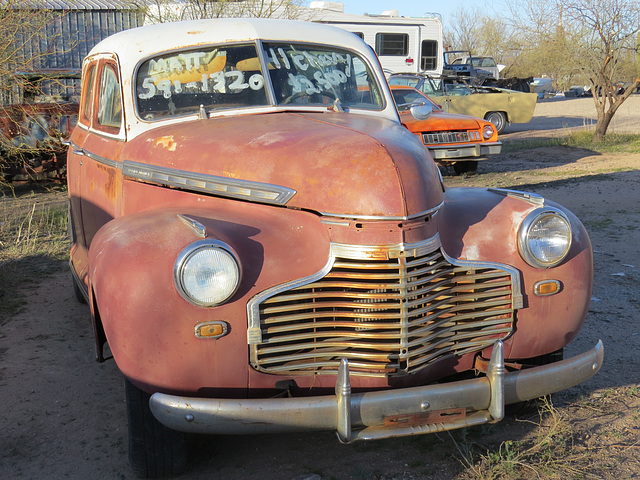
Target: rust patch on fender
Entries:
(167, 142)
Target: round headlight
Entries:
(487, 131)
(207, 273)
(545, 238)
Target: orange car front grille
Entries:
(449, 137)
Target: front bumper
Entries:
(453, 152)
(380, 414)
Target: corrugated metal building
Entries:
(77, 27)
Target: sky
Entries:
(413, 8)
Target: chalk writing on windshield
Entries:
(311, 72)
(195, 72)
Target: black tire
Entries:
(499, 119)
(154, 450)
(469, 166)
(77, 291)
(531, 406)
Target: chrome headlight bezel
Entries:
(201, 251)
(540, 250)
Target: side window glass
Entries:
(88, 97)
(110, 102)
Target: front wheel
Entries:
(499, 119)
(154, 450)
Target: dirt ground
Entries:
(63, 415)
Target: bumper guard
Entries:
(380, 414)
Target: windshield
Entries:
(405, 81)
(314, 75)
(231, 76)
(216, 77)
(406, 98)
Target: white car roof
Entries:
(138, 43)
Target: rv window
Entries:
(396, 44)
(359, 34)
(429, 56)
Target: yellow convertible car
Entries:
(500, 106)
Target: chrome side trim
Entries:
(103, 160)
(96, 158)
(431, 212)
(532, 198)
(211, 184)
(198, 182)
(195, 226)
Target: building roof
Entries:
(77, 4)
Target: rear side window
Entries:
(110, 102)
(88, 96)
(392, 44)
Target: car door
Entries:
(94, 159)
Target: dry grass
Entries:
(33, 241)
(594, 438)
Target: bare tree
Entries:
(462, 32)
(160, 11)
(607, 31)
(591, 40)
(21, 25)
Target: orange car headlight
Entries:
(488, 131)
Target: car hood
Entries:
(440, 122)
(337, 163)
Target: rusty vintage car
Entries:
(456, 140)
(266, 248)
(34, 132)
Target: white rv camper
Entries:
(403, 44)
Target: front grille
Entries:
(387, 317)
(448, 137)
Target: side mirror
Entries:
(421, 111)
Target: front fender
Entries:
(482, 225)
(151, 328)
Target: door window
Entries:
(110, 101)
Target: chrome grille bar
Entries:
(446, 137)
(388, 317)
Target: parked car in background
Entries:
(497, 105)
(453, 140)
(475, 68)
(543, 86)
(265, 247)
